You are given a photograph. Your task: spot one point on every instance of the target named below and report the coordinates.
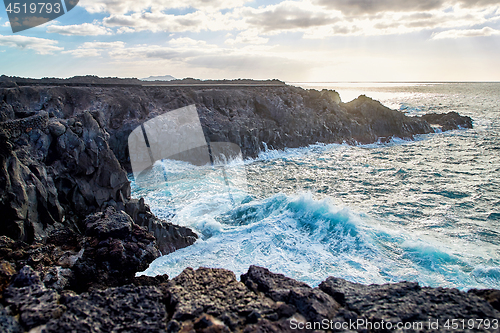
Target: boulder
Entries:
(114, 250)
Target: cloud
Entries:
(455, 33)
(95, 49)
(176, 49)
(315, 19)
(39, 45)
(363, 7)
(157, 21)
(360, 7)
(85, 29)
(117, 7)
(289, 15)
(247, 37)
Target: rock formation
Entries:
(279, 116)
(213, 300)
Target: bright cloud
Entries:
(95, 49)
(247, 37)
(157, 21)
(39, 45)
(85, 29)
(316, 19)
(127, 6)
(455, 33)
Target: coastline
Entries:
(71, 142)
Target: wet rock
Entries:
(448, 121)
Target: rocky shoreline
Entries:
(73, 238)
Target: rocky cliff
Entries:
(279, 116)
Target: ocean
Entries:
(426, 210)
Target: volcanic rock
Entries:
(448, 121)
(114, 250)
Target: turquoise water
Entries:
(426, 210)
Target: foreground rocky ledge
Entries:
(213, 300)
(76, 283)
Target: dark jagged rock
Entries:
(114, 250)
(313, 304)
(194, 295)
(8, 324)
(406, 302)
(492, 296)
(448, 121)
(7, 271)
(108, 224)
(212, 300)
(28, 297)
(383, 122)
(123, 309)
(169, 237)
(51, 181)
(55, 172)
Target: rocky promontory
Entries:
(72, 238)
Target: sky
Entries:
(294, 41)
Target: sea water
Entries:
(426, 210)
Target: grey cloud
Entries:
(118, 21)
(363, 7)
(282, 18)
(360, 7)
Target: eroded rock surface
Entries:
(213, 300)
(280, 116)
